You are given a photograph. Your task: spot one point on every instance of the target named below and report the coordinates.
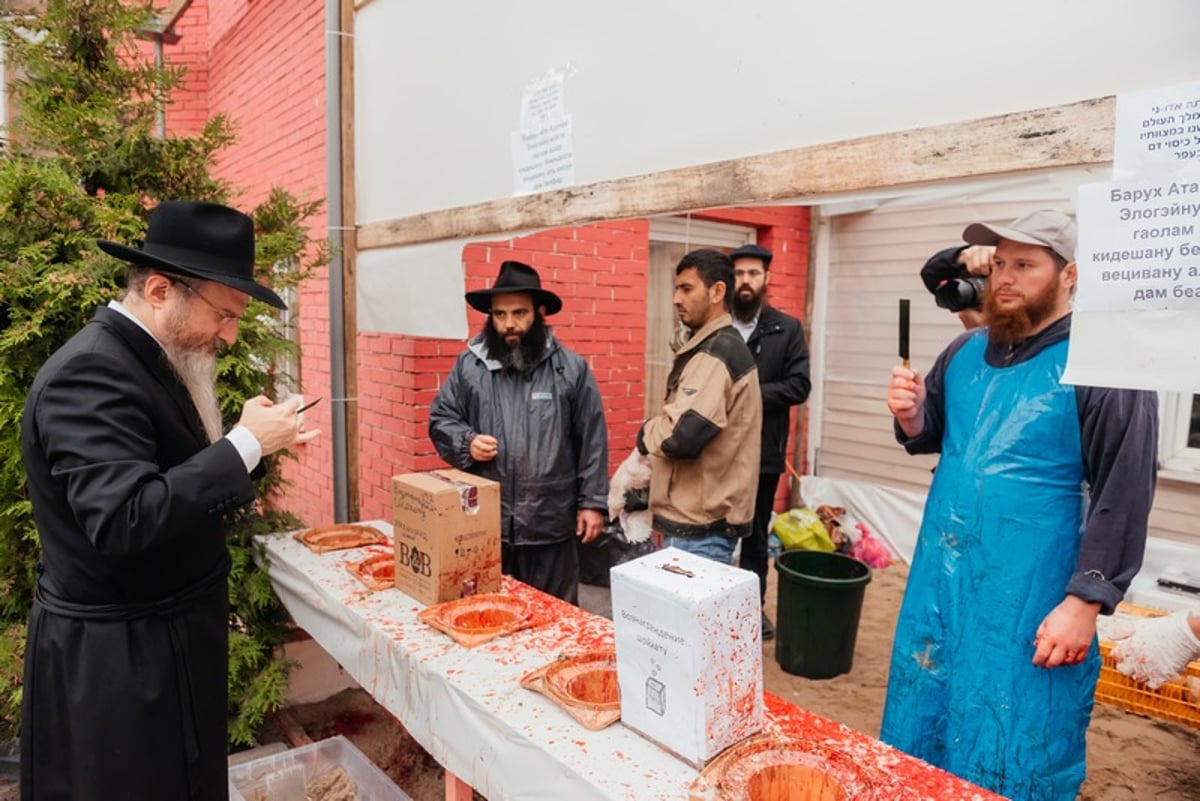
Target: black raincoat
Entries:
(553, 443)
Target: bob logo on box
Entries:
(447, 535)
(414, 559)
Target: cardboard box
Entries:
(688, 635)
(447, 535)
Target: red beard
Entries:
(1011, 326)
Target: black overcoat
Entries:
(781, 355)
(125, 676)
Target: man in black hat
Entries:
(776, 340)
(125, 692)
(521, 409)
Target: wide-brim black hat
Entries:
(201, 240)
(515, 277)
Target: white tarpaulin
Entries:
(414, 290)
(892, 515)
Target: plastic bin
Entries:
(284, 777)
(820, 600)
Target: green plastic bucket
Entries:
(820, 601)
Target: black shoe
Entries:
(768, 632)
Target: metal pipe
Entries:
(160, 115)
(333, 211)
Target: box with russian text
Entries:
(688, 635)
(447, 535)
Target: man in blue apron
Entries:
(1035, 524)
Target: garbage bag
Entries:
(802, 528)
(610, 548)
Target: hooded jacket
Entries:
(553, 442)
(707, 438)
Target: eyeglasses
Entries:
(227, 317)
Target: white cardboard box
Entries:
(688, 636)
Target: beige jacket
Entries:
(706, 440)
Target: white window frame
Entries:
(1175, 458)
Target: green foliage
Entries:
(82, 162)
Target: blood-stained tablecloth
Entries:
(466, 707)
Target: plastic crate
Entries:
(284, 777)
(1177, 701)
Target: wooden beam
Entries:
(171, 14)
(349, 259)
(1061, 136)
(163, 22)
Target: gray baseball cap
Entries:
(1045, 227)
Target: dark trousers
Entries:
(552, 568)
(754, 548)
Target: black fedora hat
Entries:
(515, 277)
(201, 240)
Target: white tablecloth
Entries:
(465, 705)
(467, 708)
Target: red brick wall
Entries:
(266, 71)
(263, 65)
(600, 271)
(188, 109)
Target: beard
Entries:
(524, 354)
(1011, 326)
(194, 363)
(745, 309)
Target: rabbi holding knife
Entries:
(130, 474)
(1034, 524)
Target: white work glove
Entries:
(1158, 649)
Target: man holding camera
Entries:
(1034, 524)
(956, 277)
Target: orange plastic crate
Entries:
(1177, 701)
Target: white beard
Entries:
(198, 372)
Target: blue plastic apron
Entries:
(998, 544)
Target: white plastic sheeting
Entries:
(438, 93)
(895, 517)
(892, 515)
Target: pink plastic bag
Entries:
(870, 550)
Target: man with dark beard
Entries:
(129, 475)
(522, 410)
(1035, 524)
(776, 341)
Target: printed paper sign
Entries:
(1157, 130)
(1139, 243)
(543, 150)
(543, 158)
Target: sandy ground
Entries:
(1129, 758)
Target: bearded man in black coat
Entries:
(125, 692)
(776, 341)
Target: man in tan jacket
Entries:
(707, 438)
